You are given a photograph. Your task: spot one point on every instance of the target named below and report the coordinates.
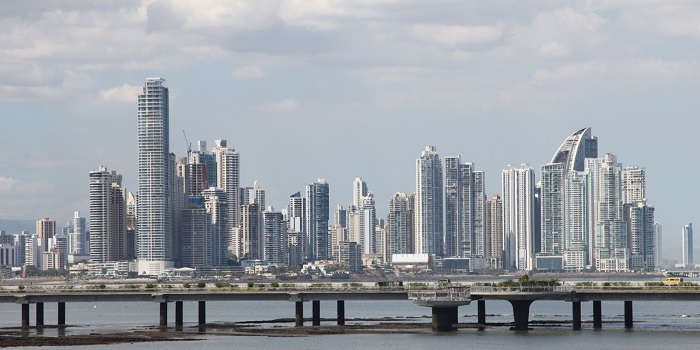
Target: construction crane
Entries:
(188, 144)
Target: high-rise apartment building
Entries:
(493, 233)
(229, 179)
(77, 239)
(429, 234)
(559, 237)
(399, 225)
(45, 230)
(658, 244)
(518, 187)
(317, 217)
(340, 216)
(640, 235)
(687, 245)
(464, 209)
(274, 236)
(612, 252)
(367, 224)
(108, 241)
(154, 231)
(252, 244)
(359, 191)
(217, 228)
(633, 185)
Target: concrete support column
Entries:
(163, 314)
(481, 313)
(316, 313)
(299, 314)
(576, 314)
(178, 314)
(25, 315)
(444, 318)
(39, 314)
(628, 314)
(521, 314)
(61, 313)
(597, 314)
(341, 312)
(202, 313)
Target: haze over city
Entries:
(317, 89)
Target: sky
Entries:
(323, 89)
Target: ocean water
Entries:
(657, 325)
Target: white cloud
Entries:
(121, 94)
(286, 105)
(453, 35)
(10, 185)
(554, 49)
(248, 72)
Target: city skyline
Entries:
(480, 85)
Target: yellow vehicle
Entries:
(673, 281)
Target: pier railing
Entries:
(522, 289)
(452, 294)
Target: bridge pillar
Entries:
(597, 314)
(521, 314)
(444, 318)
(481, 313)
(61, 313)
(39, 314)
(628, 314)
(299, 314)
(25, 315)
(341, 312)
(202, 313)
(178, 314)
(163, 314)
(316, 313)
(576, 315)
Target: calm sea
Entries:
(658, 325)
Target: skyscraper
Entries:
(658, 243)
(428, 213)
(399, 225)
(78, 238)
(359, 191)
(317, 216)
(518, 187)
(464, 209)
(612, 252)
(569, 158)
(633, 185)
(687, 244)
(367, 221)
(108, 241)
(493, 232)
(153, 234)
(274, 236)
(229, 179)
(640, 236)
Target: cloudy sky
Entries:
(308, 89)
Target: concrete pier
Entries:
(39, 314)
(25, 315)
(202, 320)
(576, 315)
(341, 313)
(61, 313)
(316, 313)
(163, 314)
(178, 314)
(597, 314)
(628, 314)
(481, 312)
(444, 318)
(299, 314)
(521, 314)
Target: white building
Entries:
(612, 251)
(518, 187)
(153, 235)
(228, 178)
(687, 245)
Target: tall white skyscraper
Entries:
(429, 234)
(229, 179)
(569, 158)
(633, 185)
(153, 234)
(359, 191)
(518, 187)
(687, 245)
(107, 216)
(612, 251)
(78, 238)
(367, 221)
